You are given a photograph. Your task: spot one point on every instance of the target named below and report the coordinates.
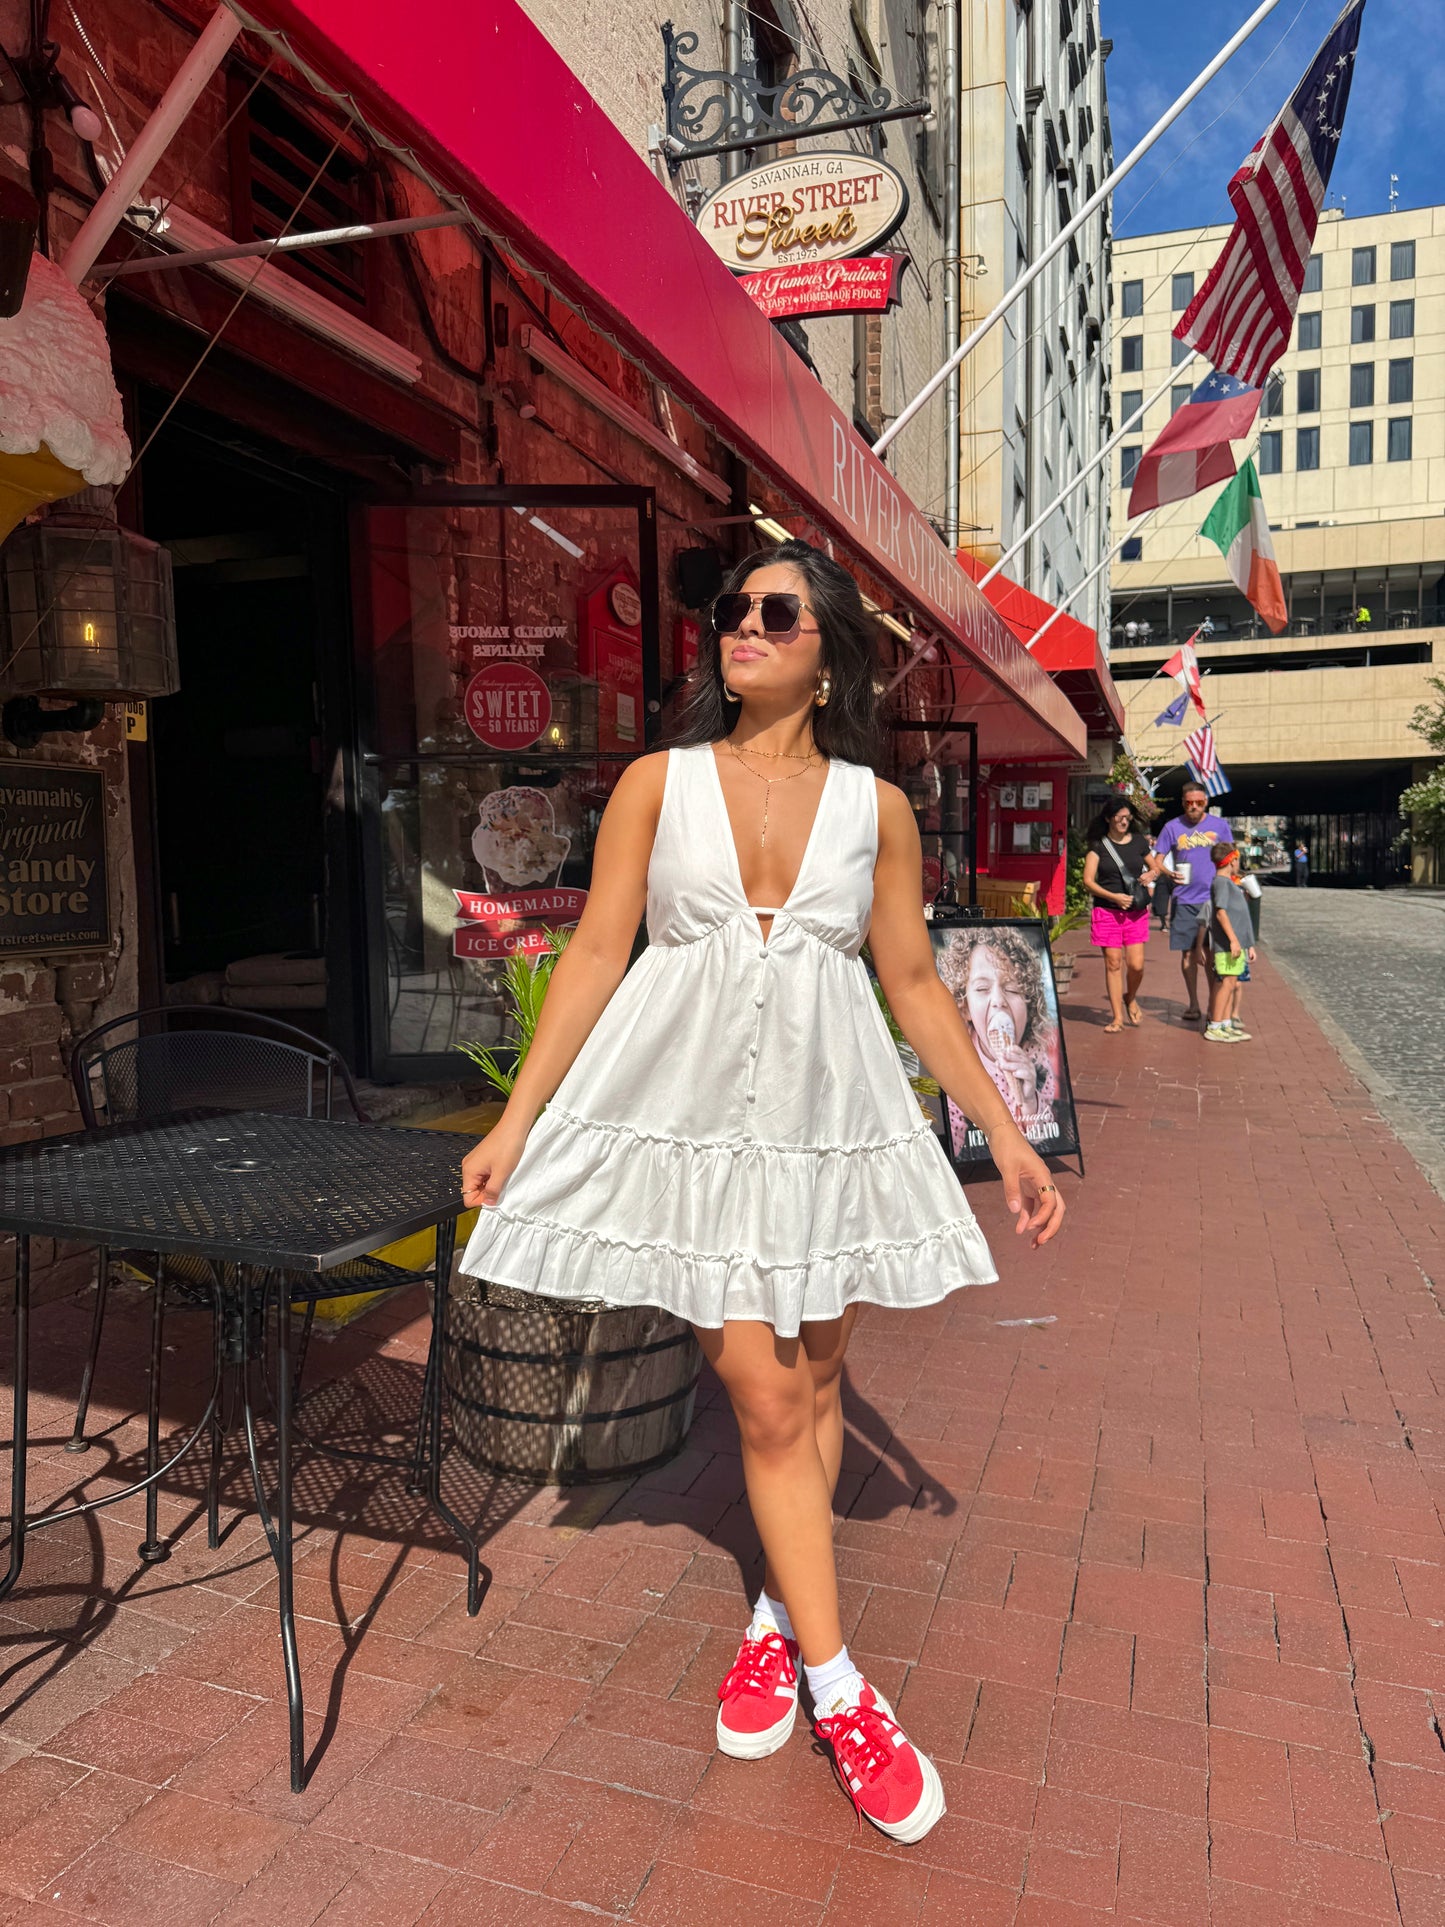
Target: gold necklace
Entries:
(768, 781)
(774, 755)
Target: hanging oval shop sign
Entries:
(812, 207)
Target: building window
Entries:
(1400, 439)
(290, 166)
(1362, 268)
(1181, 292)
(1402, 260)
(1178, 351)
(1130, 402)
(1128, 465)
(1273, 397)
(1133, 549)
(1362, 444)
(1271, 451)
(1362, 384)
(1307, 391)
(1131, 354)
(1313, 280)
(1402, 320)
(1402, 381)
(1362, 323)
(1178, 395)
(1132, 301)
(1306, 448)
(1309, 330)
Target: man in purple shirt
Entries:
(1185, 843)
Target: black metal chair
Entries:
(153, 1064)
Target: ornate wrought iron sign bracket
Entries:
(710, 111)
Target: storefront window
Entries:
(513, 657)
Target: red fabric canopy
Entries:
(489, 108)
(1069, 652)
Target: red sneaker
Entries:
(889, 1781)
(759, 1698)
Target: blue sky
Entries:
(1395, 122)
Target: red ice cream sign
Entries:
(507, 705)
(500, 911)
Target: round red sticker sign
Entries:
(507, 705)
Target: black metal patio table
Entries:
(258, 1196)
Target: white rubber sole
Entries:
(757, 1746)
(924, 1817)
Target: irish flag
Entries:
(1240, 527)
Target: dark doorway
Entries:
(239, 754)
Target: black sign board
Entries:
(53, 888)
(1001, 974)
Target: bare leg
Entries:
(829, 1342)
(1114, 986)
(1134, 961)
(770, 1383)
(1219, 1000)
(1189, 962)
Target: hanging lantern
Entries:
(86, 610)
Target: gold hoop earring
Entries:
(728, 695)
(823, 692)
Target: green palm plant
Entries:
(525, 978)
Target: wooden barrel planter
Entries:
(564, 1393)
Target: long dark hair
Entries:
(847, 726)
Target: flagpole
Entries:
(1078, 590)
(1084, 473)
(1066, 233)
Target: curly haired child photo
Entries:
(996, 976)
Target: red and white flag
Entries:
(1199, 748)
(1183, 666)
(1192, 449)
(1241, 318)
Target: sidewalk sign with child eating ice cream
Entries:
(1001, 974)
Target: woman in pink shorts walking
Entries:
(1118, 874)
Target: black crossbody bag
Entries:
(1138, 895)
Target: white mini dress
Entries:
(737, 1137)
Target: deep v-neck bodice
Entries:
(695, 878)
(765, 912)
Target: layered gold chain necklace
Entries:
(773, 755)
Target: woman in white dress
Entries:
(726, 1130)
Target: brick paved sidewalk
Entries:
(1161, 1585)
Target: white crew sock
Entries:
(835, 1684)
(770, 1616)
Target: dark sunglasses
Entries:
(781, 613)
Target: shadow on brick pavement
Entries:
(1161, 1586)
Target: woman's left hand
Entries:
(1029, 1190)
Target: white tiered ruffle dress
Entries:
(737, 1137)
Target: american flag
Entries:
(1199, 748)
(1216, 783)
(1241, 318)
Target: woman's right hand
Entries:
(486, 1168)
(1124, 903)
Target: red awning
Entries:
(474, 90)
(1069, 652)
